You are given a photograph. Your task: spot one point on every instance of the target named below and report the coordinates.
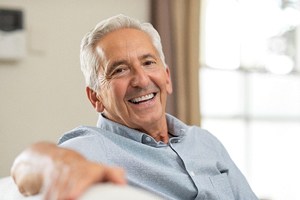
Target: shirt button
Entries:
(148, 139)
(192, 173)
(175, 140)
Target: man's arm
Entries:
(58, 172)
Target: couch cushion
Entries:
(107, 191)
(9, 191)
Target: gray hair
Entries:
(91, 60)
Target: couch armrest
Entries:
(107, 191)
(10, 191)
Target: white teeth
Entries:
(143, 98)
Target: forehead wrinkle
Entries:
(131, 49)
(147, 55)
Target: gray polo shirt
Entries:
(193, 165)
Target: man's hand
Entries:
(59, 173)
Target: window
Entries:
(250, 89)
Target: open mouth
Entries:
(142, 98)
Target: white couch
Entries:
(9, 191)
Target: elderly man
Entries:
(128, 83)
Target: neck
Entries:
(158, 131)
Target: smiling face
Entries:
(134, 82)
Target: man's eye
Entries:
(119, 71)
(149, 62)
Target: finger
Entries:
(57, 184)
(115, 175)
(96, 174)
(50, 191)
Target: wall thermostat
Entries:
(12, 35)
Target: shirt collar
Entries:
(176, 128)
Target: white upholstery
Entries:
(113, 192)
(9, 191)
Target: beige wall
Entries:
(43, 95)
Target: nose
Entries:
(139, 77)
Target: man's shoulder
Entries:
(80, 131)
(203, 135)
(178, 128)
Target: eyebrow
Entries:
(117, 63)
(111, 66)
(148, 55)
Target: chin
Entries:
(152, 118)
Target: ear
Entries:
(94, 99)
(169, 87)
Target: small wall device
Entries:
(12, 35)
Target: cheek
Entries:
(117, 90)
(169, 87)
(164, 83)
